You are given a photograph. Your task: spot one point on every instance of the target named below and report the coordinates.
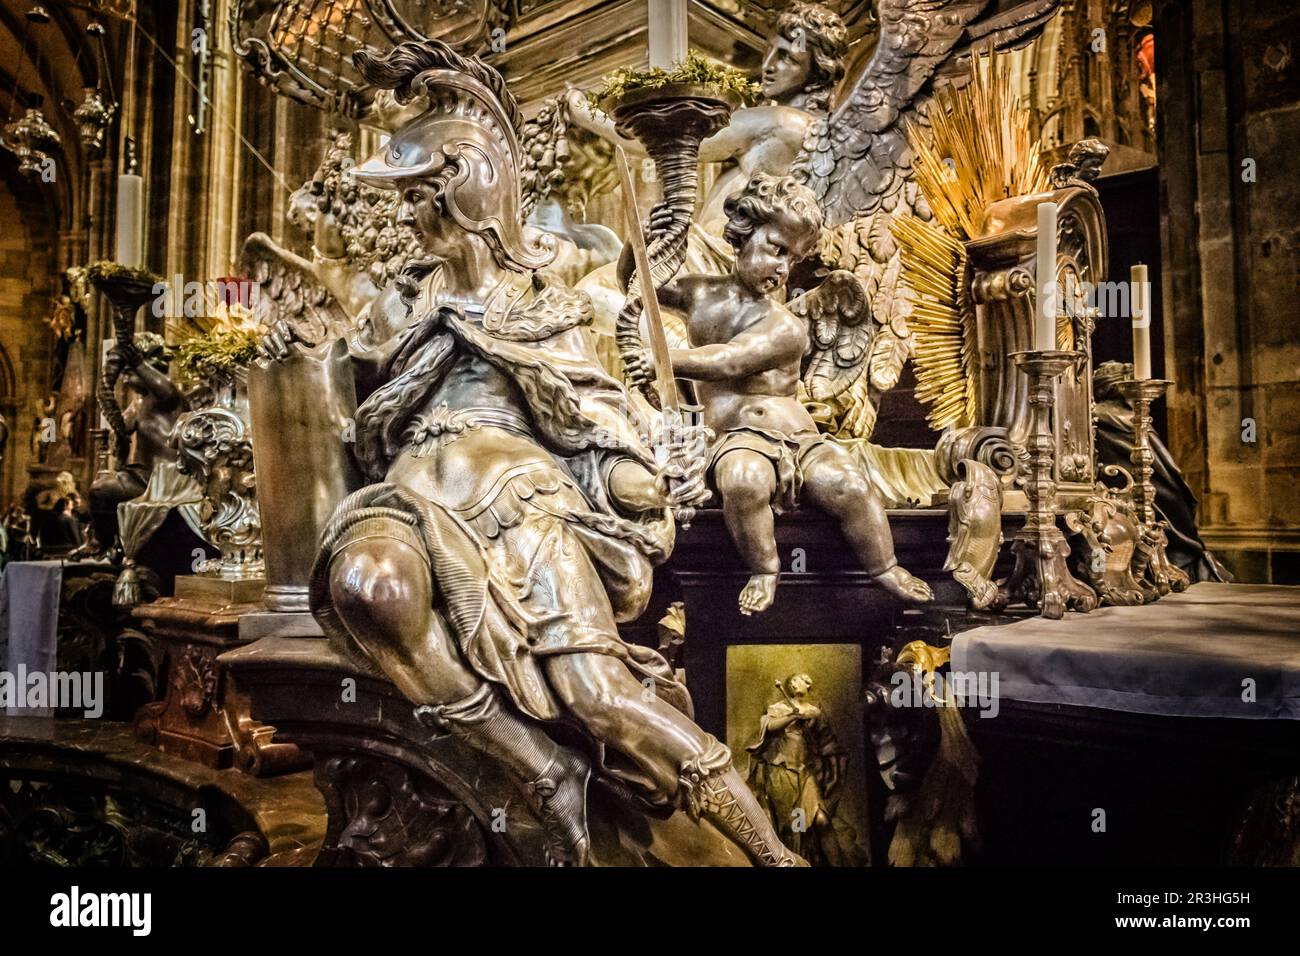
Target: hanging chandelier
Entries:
(32, 140)
(92, 118)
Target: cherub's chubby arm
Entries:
(771, 344)
(162, 389)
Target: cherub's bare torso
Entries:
(765, 393)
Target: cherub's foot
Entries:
(758, 594)
(901, 584)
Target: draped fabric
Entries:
(1175, 502)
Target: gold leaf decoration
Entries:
(977, 150)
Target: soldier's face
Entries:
(786, 69)
(421, 210)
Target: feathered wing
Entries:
(858, 155)
(858, 160)
(843, 337)
(290, 291)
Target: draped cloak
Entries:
(545, 563)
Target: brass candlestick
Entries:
(1140, 393)
(1041, 578)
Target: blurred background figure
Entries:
(61, 532)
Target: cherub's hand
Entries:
(661, 219)
(681, 477)
(128, 354)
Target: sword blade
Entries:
(664, 379)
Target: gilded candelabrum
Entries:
(1140, 393)
(1041, 578)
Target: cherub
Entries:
(747, 353)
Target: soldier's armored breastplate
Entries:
(465, 458)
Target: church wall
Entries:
(1230, 100)
(26, 285)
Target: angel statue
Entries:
(804, 61)
(516, 511)
(357, 248)
(853, 154)
(858, 163)
(746, 354)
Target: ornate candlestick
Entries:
(1041, 577)
(670, 121)
(1140, 393)
(126, 290)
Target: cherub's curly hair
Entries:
(402, 70)
(828, 42)
(773, 199)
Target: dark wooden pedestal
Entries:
(203, 717)
(400, 794)
(830, 601)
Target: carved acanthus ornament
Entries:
(216, 449)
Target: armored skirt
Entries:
(523, 567)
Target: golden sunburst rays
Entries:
(976, 150)
(943, 350)
(979, 147)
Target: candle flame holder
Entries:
(670, 121)
(1041, 577)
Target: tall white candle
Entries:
(666, 32)
(1140, 297)
(130, 220)
(1045, 293)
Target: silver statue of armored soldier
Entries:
(517, 511)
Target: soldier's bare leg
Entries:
(668, 747)
(834, 482)
(382, 590)
(746, 482)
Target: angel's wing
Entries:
(842, 339)
(289, 290)
(858, 160)
(858, 155)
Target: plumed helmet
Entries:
(465, 143)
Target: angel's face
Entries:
(764, 261)
(786, 69)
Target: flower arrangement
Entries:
(216, 356)
(695, 70)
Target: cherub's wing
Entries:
(289, 290)
(842, 340)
